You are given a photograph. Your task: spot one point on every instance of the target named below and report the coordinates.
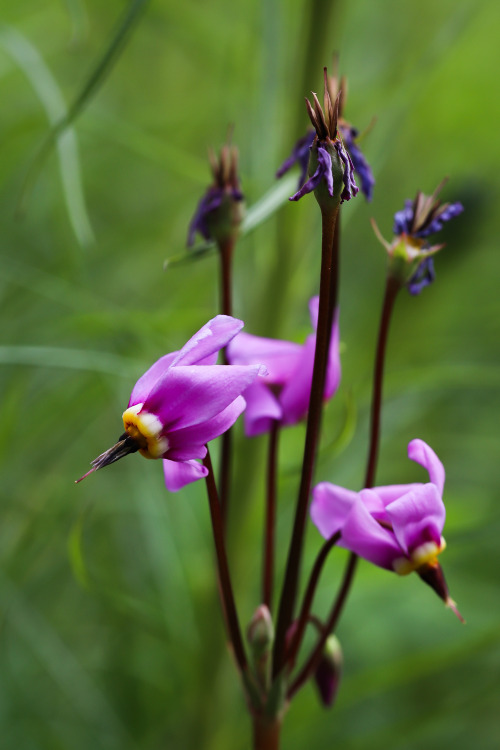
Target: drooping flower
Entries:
(182, 402)
(283, 394)
(301, 151)
(331, 172)
(397, 527)
(220, 211)
(410, 253)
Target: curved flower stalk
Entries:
(410, 253)
(283, 395)
(397, 527)
(181, 403)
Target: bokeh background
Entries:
(110, 632)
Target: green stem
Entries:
(266, 732)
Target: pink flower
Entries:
(397, 527)
(283, 394)
(182, 402)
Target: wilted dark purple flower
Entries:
(220, 210)
(182, 402)
(301, 150)
(329, 162)
(410, 253)
(423, 276)
(361, 166)
(300, 156)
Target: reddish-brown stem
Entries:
(226, 306)
(313, 661)
(266, 733)
(308, 600)
(270, 516)
(391, 290)
(289, 591)
(225, 586)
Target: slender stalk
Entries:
(308, 599)
(392, 288)
(270, 518)
(225, 586)
(266, 732)
(289, 592)
(314, 659)
(226, 306)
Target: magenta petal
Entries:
(334, 371)
(294, 398)
(394, 491)
(279, 357)
(208, 341)
(313, 311)
(178, 474)
(424, 455)
(330, 507)
(262, 409)
(417, 517)
(192, 395)
(190, 442)
(363, 535)
(146, 382)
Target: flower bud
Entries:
(260, 632)
(329, 671)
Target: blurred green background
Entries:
(110, 632)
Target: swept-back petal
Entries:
(294, 398)
(417, 517)
(363, 535)
(179, 473)
(146, 382)
(262, 409)
(392, 492)
(279, 357)
(330, 507)
(424, 455)
(208, 341)
(190, 442)
(192, 395)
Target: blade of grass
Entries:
(29, 60)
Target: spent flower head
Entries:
(410, 253)
(397, 527)
(301, 151)
(220, 211)
(330, 169)
(181, 403)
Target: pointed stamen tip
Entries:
(453, 606)
(86, 475)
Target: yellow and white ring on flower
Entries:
(146, 429)
(423, 555)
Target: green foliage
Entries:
(110, 633)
